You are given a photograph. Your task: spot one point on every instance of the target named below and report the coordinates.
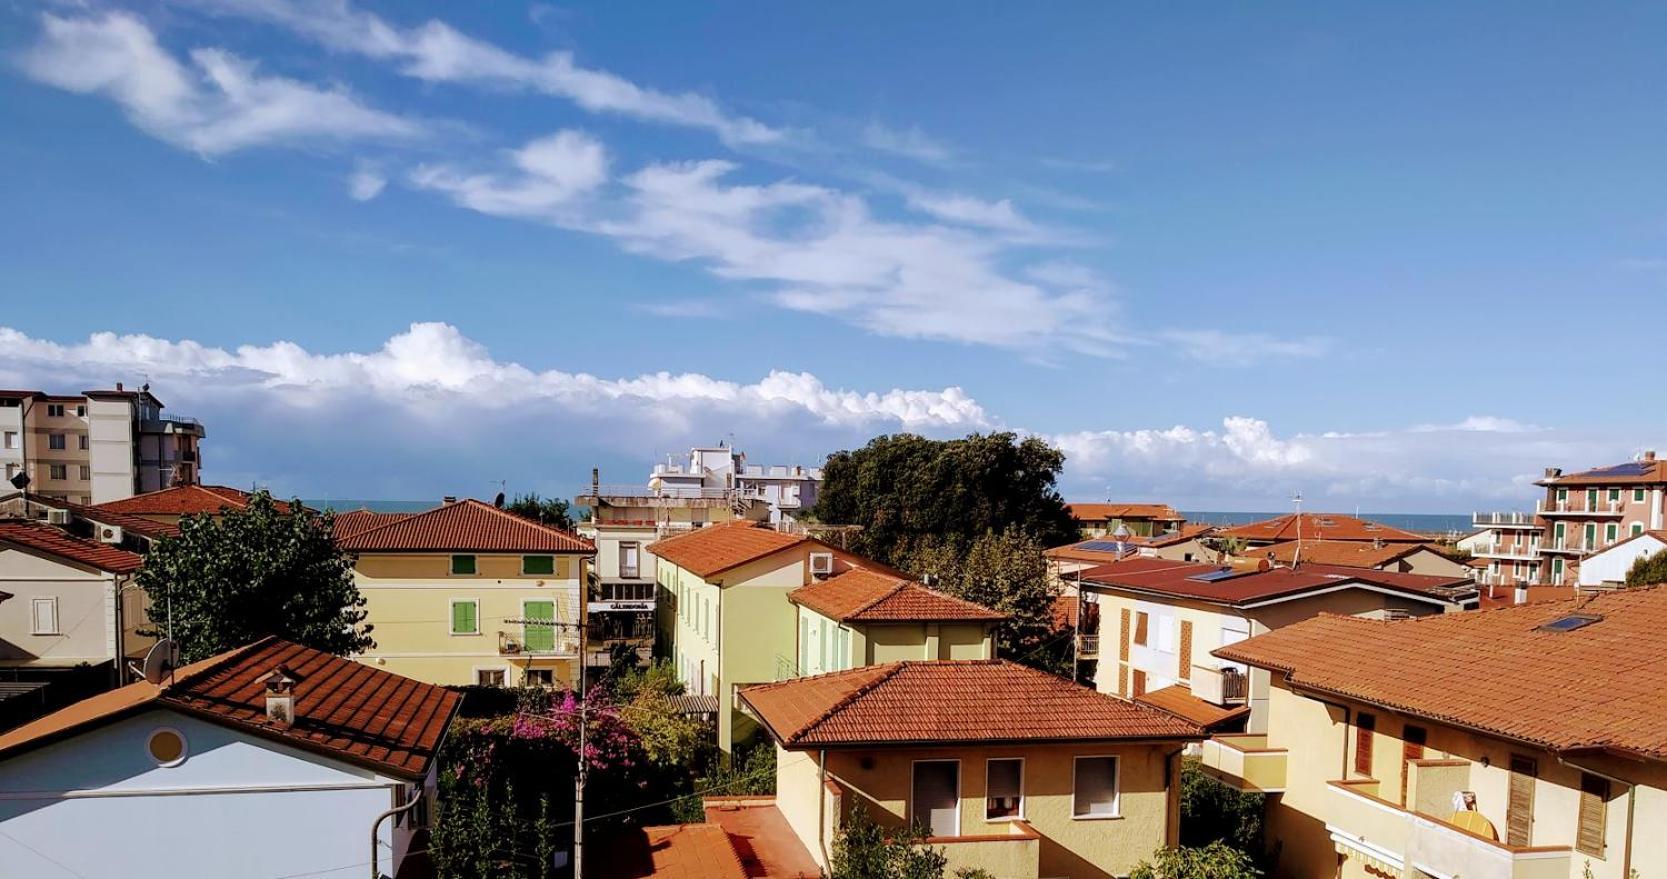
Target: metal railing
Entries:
(1496, 520)
(1508, 551)
(1088, 646)
(1578, 506)
(786, 669)
(1235, 686)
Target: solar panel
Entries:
(1633, 468)
(1213, 576)
(1100, 546)
(1571, 622)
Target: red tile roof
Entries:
(465, 526)
(678, 851)
(354, 521)
(343, 709)
(1650, 472)
(184, 500)
(766, 843)
(1320, 526)
(864, 596)
(51, 541)
(1492, 597)
(1102, 512)
(1599, 686)
(944, 701)
(1343, 553)
(1078, 551)
(1179, 701)
(717, 548)
(1248, 586)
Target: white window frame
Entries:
(1638, 495)
(1022, 797)
(451, 617)
(505, 670)
(910, 817)
(1116, 787)
(35, 616)
(1636, 529)
(1611, 533)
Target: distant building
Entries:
(869, 617)
(1586, 512)
(1607, 568)
(787, 490)
(100, 445)
(1141, 520)
(1317, 526)
(1405, 558)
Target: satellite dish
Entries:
(20, 481)
(159, 661)
(498, 501)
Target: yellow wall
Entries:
(409, 600)
(1088, 848)
(879, 643)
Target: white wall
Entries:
(110, 435)
(1611, 565)
(93, 806)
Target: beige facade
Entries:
(99, 446)
(825, 644)
(63, 614)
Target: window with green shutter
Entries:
(462, 564)
(538, 632)
(465, 616)
(538, 564)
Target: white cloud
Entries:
(1481, 424)
(217, 104)
(910, 142)
(968, 210)
(1221, 348)
(436, 52)
(1097, 166)
(551, 173)
(366, 182)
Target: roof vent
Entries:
(1571, 622)
(280, 697)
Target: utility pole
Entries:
(584, 711)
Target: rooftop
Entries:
(677, 851)
(762, 838)
(1248, 586)
(949, 701)
(863, 595)
(343, 709)
(1646, 470)
(354, 521)
(1320, 526)
(1102, 512)
(184, 500)
(1342, 553)
(37, 538)
(717, 548)
(1179, 701)
(463, 526)
(1104, 549)
(1598, 686)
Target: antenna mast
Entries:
(1296, 556)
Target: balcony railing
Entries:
(1088, 646)
(1245, 762)
(1577, 506)
(1522, 552)
(1504, 520)
(1575, 545)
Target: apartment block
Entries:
(788, 490)
(98, 446)
(1137, 520)
(1583, 513)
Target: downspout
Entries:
(375, 872)
(1170, 774)
(822, 803)
(1631, 807)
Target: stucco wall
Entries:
(86, 605)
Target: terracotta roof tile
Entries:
(1248, 585)
(49, 540)
(354, 521)
(1178, 700)
(465, 526)
(1598, 686)
(343, 708)
(183, 500)
(678, 851)
(1343, 553)
(1320, 526)
(1079, 551)
(1630, 473)
(866, 596)
(717, 548)
(949, 701)
(1101, 512)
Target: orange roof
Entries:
(1102, 512)
(762, 837)
(1490, 597)
(1648, 471)
(865, 596)
(717, 548)
(183, 500)
(943, 701)
(1343, 553)
(1245, 586)
(464, 526)
(343, 708)
(1599, 686)
(1081, 551)
(677, 851)
(354, 521)
(1179, 701)
(1320, 526)
(46, 539)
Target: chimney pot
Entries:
(1520, 596)
(1553, 472)
(118, 386)
(280, 697)
(448, 499)
(1649, 456)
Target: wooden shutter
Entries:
(1139, 682)
(463, 618)
(1123, 648)
(1140, 620)
(1122, 680)
(1412, 748)
(1594, 804)
(1519, 808)
(1185, 661)
(1364, 726)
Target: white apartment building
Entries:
(787, 489)
(98, 446)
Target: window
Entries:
(44, 618)
(1611, 532)
(81, 411)
(1140, 625)
(166, 746)
(462, 565)
(538, 631)
(1614, 496)
(842, 649)
(1364, 726)
(489, 677)
(538, 677)
(538, 564)
(1637, 529)
(1004, 789)
(465, 616)
(1594, 803)
(55, 441)
(57, 471)
(1562, 496)
(86, 472)
(11, 439)
(81, 441)
(1591, 535)
(54, 410)
(1519, 806)
(804, 645)
(935, 797)
(1095, 788)
(1638, 495)
(1591, 499)
(628, 560)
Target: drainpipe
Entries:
(1168, 776)
(1631, 807)
(822, 803)
(376, 873)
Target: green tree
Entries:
(1004, 572)
(1648, 570)
(902, 488)
(1212, 812)
(260, 570)
(865, 850)
(645, 700)
(552, 511)
(1214, 861)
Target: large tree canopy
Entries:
(228, 580)
(904, 488)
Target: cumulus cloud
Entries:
(955, 207)
(549, 174)
(436, 52)
(910, 142)
(216, 104)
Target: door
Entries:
(1413, 739)
(935, 800)
(1519, 808)
(538, 632)
(1591, 535)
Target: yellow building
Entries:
(1005, 768)
(866, 616)
(469, 594)
(1528, 742)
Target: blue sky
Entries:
(1395, 258)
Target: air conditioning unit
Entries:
(109, 534)
(821, 564)
(57, 517)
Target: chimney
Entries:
(1553, 472)
(1520, 596)
(595, 481)
(118, 386)
(280, 697)
(1649, 456)
(448, 499)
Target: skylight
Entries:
(1213, 576)
(1571, 622)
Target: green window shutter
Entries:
(539, 637)
(462, 564)
(538, 564)
(463, 618)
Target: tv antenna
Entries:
(1296, 555)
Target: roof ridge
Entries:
(391, 522)
(212, 664)
(517, 517)
(888, 672)
(898, 586)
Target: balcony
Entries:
(513, 644)
(1516, 552)
(1393, 838)
(1568, 546)
(1088, 646)
(1013, 851)
(1504, 520)
(1578, 506)
(1245, 762)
